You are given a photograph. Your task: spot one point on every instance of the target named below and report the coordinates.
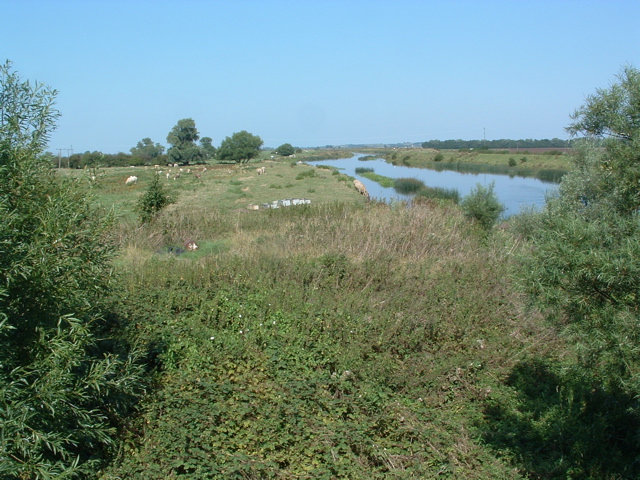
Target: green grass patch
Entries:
(386, 182)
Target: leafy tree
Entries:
(585, 267)
(62, 393)
(147, 150)
(208, 150)
(286, 149)
(154, 200)
(240, 147)
(483, 206)
(182, 138)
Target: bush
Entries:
(438, 158)
(63, 393)
(407, 185)
(482, 205)
(154, 200)
(512, 162)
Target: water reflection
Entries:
(513, 192)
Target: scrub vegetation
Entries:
(336, 339)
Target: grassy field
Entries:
(340, 339)
(229, 187)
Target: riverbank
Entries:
(547, 166)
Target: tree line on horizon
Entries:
(496, 144)
(184, 150)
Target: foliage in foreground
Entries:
(63, 392)
(583, 270)
(362, 352)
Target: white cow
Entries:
(361, 188)
(131, 180)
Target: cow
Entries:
(261, 170)
(132, 180)
(190, 245)
(361, 188)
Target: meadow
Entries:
(338, 339)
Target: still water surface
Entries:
(513, 192)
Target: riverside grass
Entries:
(337, 340)
(547, 167)
(340, 339)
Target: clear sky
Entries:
(317, 72)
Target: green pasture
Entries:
(227, 187)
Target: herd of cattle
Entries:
(132, 180)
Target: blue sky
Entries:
(317, 72)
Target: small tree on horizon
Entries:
(240, 147)
(286, 150)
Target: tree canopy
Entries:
(286, 150)
(147, 150)
(207, 148)
(62, 394)
(585, 267)
(240, 147)
(182, 138)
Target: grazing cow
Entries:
(131, 180)
(361, 188)
(261, 170)
(190, 245)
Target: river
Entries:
(514, 192)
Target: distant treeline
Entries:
(495, 144)
(98, 159)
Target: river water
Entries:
(514, 192)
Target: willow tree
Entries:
(62, 393)
(585, 267)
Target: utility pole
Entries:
(69, 153)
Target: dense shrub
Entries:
(153, 200)
(65, 383)
(483, 206)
